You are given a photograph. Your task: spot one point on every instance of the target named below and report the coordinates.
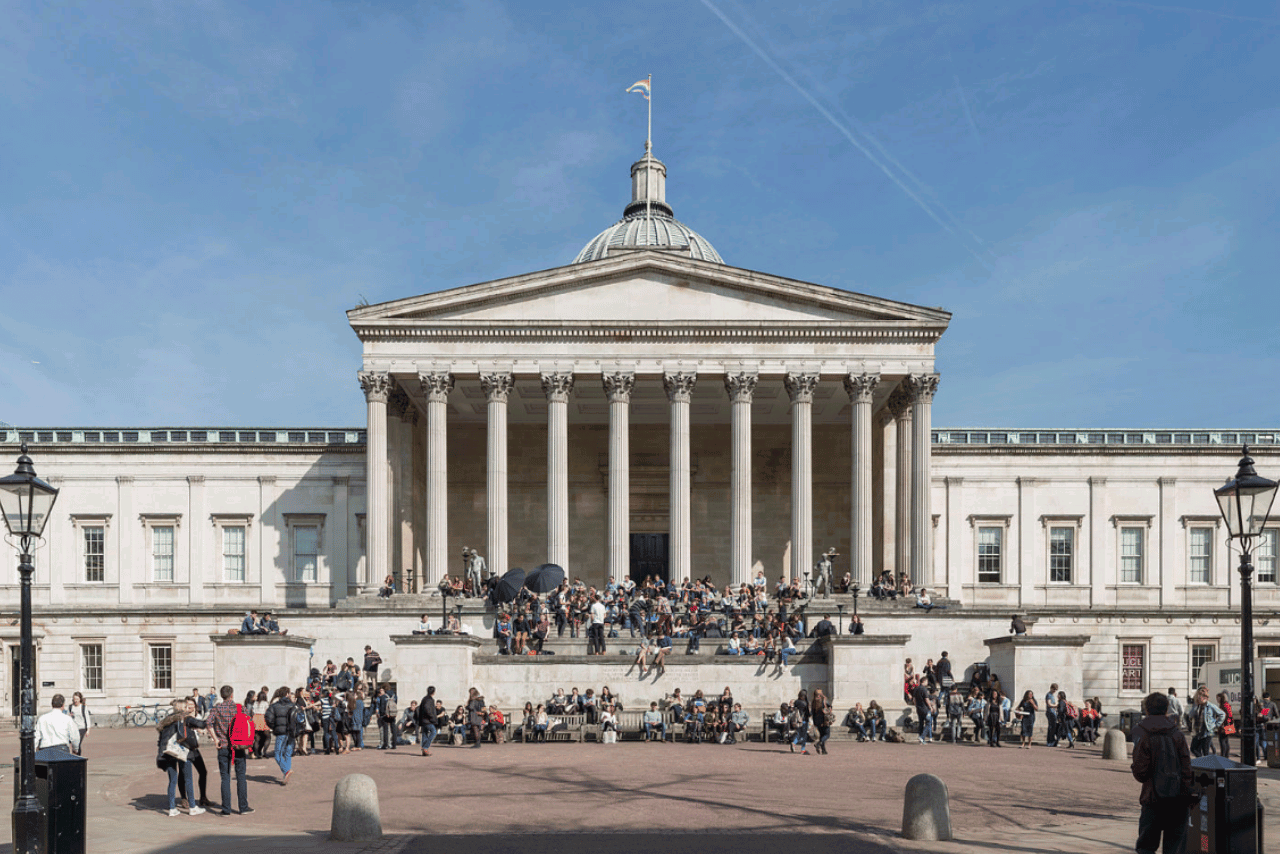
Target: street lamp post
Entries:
(855, 598)
(1245, 502)
(840, 623)
(26, 501)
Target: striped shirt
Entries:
(326, 707)
(220, 719)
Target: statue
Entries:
(477, 571)
(822, 573)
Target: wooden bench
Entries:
(559, 728)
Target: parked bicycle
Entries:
(142, 715)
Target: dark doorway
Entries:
(15, 686)
(649, 556)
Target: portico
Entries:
(560, 402)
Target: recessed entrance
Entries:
(650, 555)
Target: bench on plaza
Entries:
(559, 728)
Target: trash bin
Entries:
(61, 787)
(1226, 820)
(1128, 720)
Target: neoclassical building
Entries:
(645, 409)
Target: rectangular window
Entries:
(1200, 653)
(1062, 543)
(1133, 667)
(233, 553)
(1199, 555)
(989, 542)
(95, 553)
(1264, 556)
(306, 541)
(162, 553)
(161, 667)
(91, 666)
(1131, 555)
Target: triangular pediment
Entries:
(647, 287)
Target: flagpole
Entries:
(648, 172)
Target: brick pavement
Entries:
(632, 797)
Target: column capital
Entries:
(436, 385)
(861, 387)
(497, 387)
(741, 387)
(618, 386)
(800, 387)
(376, 385)
(557, 386)
(679, 385)
(922, 387)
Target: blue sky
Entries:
(194, 193)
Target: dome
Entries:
(648, 221)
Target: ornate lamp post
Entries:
(856, 590)
(1245, 502)
(26, 501)
(840, 619)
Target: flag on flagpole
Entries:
(641, 86)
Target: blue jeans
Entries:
(875, 726)
(185, 769)
(802, 736)
(926, 725)
(428, 736)
(225, 765)
(284, 753)
(785, 653)
(660, 729)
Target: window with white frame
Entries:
(92, 662)
(162, 552)
(160, 657)
(1264, 556)
(1132, 542)
(91, 538)
(233, 552)
(1062, 553)
(990, 553)
(1200, 555)
(1201, 652)
(1133, 667)
(306, 545)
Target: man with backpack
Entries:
(280, 719)
(1162, 764)
(233, 735)
(388, 710)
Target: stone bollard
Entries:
(926, 810)
(1115, 745)
(355, 810)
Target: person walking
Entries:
(1228, 727)
(198, 768)
(80, 717)
(596, 644)
(823, 716)
(1051, 716)
(1026, 711)
(230, 758)
(428, 723)
(475, 714)
(1162, 764)
(1205, 720)
(55, 728)
(278, 717)
(172, 753)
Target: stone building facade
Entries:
(647, 409)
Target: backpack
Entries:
(343, 681)
(390, 709)
(297, 723)
(1071, 711)
(1166, 770)
(242, 729)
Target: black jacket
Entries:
(278, 716)
(943, 668)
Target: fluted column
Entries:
(923, 387)
(617, 387)
(800, 389)
(861, 388)
(402, 522)
(679, 387)
(558, 387)
(377, 388)
(741, 388)
(435, 388)
(497, 388)
(899, 406)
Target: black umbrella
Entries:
(545, 578)
(508, 586)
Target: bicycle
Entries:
(140, 716)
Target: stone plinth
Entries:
(444, 661)
(251, 661)
(1034, 662)
(866, 668)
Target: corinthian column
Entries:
(899, 406)
(922, 387)
(435, 388)
(679, 388)
(377, 388)
(497, 388)
(800, 389)
(557, 388)
(741, 388)
(617, 387)
(861, 388)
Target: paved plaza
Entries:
(632, 797)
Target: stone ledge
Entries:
(1039, 640)
(289, 641)
(438, 640)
